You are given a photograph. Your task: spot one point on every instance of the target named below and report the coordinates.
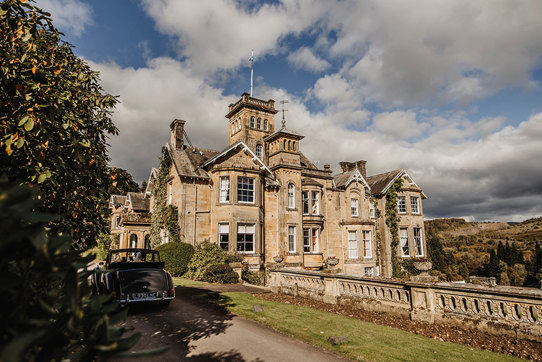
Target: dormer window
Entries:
(259, 123)
(252, 122)
(259, 152)
(265, 125)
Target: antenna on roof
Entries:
(283, 102)
(251, 60)
(187, 139)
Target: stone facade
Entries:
(261, 197)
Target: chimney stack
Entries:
(349, 166)
(327, 167)
(177, 134)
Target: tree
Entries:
(49, 311)
(54, 121)
(122, 182)
(517, 275)
(493, 266)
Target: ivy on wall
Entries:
(163, 216)
(392, 219)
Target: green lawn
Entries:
(367, 341)
(183, 282)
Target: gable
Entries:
(236, 159)
(238, 148)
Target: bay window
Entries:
(224, 189)
(310, 240)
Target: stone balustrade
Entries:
(496, 309)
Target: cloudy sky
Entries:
(449, 90)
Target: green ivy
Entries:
(392, 219)
(160, 215)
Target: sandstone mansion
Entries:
(261, 197)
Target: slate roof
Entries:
(188, 160)
(117, 200)
(310, 181)
(378, 183)
(306, 163)
(284, 131)
(139, 201)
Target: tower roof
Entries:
(247, 101)
(283, 132)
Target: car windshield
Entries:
(139, 255)
(142, 281)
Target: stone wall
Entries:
(502, 310)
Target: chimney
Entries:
(349, 166)
(177, 134)
(360, 165)
(327, 167)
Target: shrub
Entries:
(50, 313)
(176, 256)
(252, 277)
(220, 273)
(234, 258)
(205, 256)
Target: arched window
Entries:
(252, 122)
(147, 241)
(289, 145)
(240, 124)
(259, 123)
(291, 196)
(232, 127)
(293, 146)
(133, 241)
(265, 125)
(259, 151)
(284, 145)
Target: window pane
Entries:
(306, 241)
(315, 206)
(245, 238)
(367, 246)
(372, 209)
(401, 204)
(403, 239)
(352, 245)
(314, 240)
(224, 189)
(354, 207)
(245, 189)
(291, 239)
(223, 236)
(414, 205)
(259, 151)
(305, 202)
(291, 196)
(418, 242)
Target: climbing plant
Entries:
(159, 194)
(392, 219)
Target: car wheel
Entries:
(164, 303)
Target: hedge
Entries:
(176, 257)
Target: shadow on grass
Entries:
(195, 313)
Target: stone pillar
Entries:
(422, 299)
(331, 290)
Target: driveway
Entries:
(201, 332)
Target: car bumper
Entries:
(145, 300)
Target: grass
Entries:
(367, 341)
(183, 282)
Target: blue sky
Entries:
(449, 90)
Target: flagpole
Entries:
(251, 70)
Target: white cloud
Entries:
(219, 34)
(150, 98)
(304, 58)
(70, 16)
(398, 124)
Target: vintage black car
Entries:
(135, 276)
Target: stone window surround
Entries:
(289, 196)
(294, 226)
(310, 191)
(401, 201)
(234, 174)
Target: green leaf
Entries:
(22, 121)
(65, 125)
(42, 178)
(29, 124)
(19, 143)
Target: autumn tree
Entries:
(54, 121)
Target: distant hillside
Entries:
(462, 245)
